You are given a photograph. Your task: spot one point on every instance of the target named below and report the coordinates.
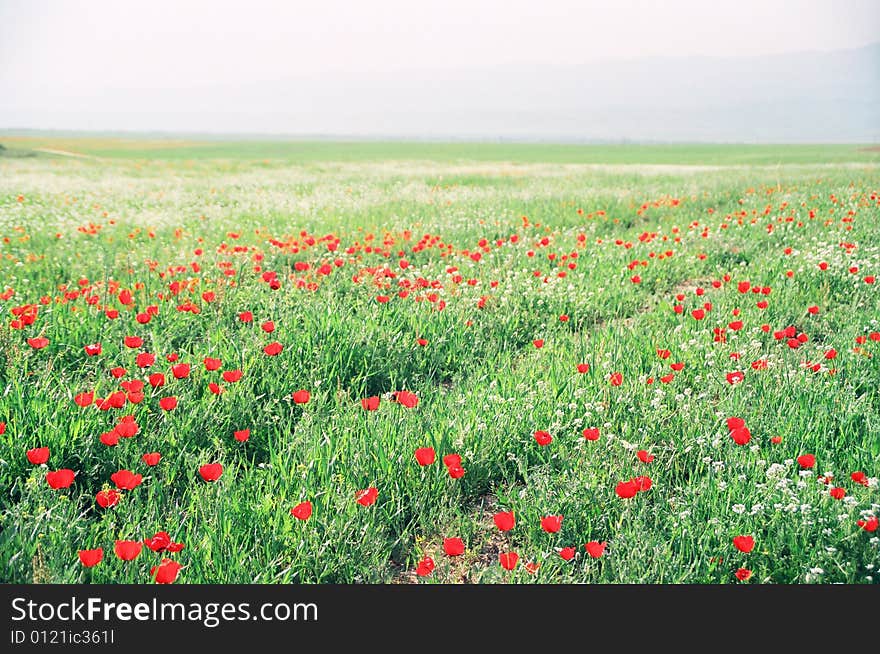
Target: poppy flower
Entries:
(869, 525)
(180, 370)
(616, 379)
(2, 428)
(591, 433)
(456, 472)
(583, 368)
(538, 343)
(268, 326)
(246, 316)
(744, 544)
(735, 377)
(93, 350)
(211, 471)
(302, 511)
(551, 523)
(367, 496)
(301, 396)
(38, 343)
(145, 360)
(212, 364)
(860, 478)
(644, 456)
(157, 380)
(370, 403)
(453, 546)
(109, 438)
(58, 479)
(168, 403)
(126, 479)
(273, 349)
(626, 489)
(595, 549)
(91, 558)
(543, 438)
(425, 456)
(743, 574)
(567, 553)
(425, 567)
(38, 455)
(837, 493)
(407, 399)
(84, 399)
(806, 460)
(133, 342)
(107, 498)
(127, 550)
(242, 435)
(508, 560)
(151, 458)
(422, 342)
(231, 376)
(643, 483)
(165, 572)
(504, 520)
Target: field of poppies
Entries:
(423, 366)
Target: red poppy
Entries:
(212, 364)
(735, 377)
(38, 343)
(869, 525)
(425, 567)
(567, 553)
(806, 460)
(626, 489)
(837, 493)
(425, 456)
(595, 549)
(181, 370)
(408, 399)
(145, 360)
(231, 376)
(543, 437)
(127, 550)
(151, 458)
(367, 496)
(168, 403)
(84, 399)
(268, 326)
(860, 478)
(453, 546)
(60, 478)
(107, 498)
(93, 349)
(456, 472)
(551, 523)
(126, 479)
(591, 433)
(242, 435)
(91, 558)
(744, 543)
(508, 560)
(211, 471)
(422, 341)
(273, 349)
(38, 455)
(504, 520)
(616, 379)
(644, 456)
(159, 541)
(165, 572)
(302, 511)
(538, 343)
(583, 368)
(301, 396)
(743, 574)
(370, 403)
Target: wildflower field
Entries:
(428, 363)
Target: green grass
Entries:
(136, 218)
(184, 149)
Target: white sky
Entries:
(83, 47)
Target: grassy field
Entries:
(652, 364)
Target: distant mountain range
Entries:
(800, 97)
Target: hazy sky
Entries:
(80, 51)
